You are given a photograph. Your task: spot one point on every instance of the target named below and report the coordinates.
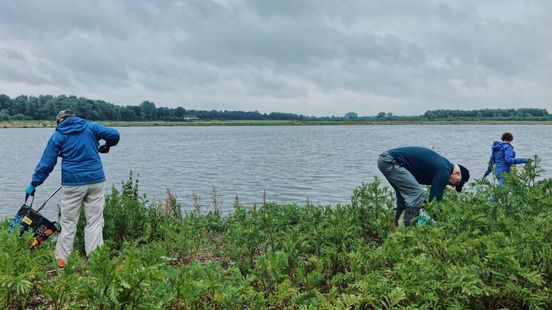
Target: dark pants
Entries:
(410, 194)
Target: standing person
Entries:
(503, 157)
(406, 168)
(76, 141)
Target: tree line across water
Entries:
(45, 107)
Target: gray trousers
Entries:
(410, 194)
(92, 196)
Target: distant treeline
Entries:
(46, 107)
(488, 114)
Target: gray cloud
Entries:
(310, 57)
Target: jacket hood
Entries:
(497, 145)
(71, 125)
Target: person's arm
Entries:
(510, 157)
(438, 185)
(46, 164)
(490, 166)
(110, 135)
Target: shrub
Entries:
(490, 248)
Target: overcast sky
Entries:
(311, 57)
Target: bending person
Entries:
(503, 157)
(406, 168)
(76, 141)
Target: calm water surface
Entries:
(290, 163)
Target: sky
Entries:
(311, 57)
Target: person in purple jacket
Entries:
(76, 141)
(503, 157)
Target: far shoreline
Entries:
(52, 124)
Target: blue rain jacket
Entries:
(503, 157)
(76, 141)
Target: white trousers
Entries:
(92, 196)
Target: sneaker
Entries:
(61, 263)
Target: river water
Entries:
(291, 163)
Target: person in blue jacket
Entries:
(76, 141)
(503, 157)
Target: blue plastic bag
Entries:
(423, 218)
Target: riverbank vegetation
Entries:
(490, 248)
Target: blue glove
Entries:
(30, 190)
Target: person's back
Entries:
(76, 142)
(501, 164)
(424, 164)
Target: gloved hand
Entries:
(30, 190)
(485, 175)
(103, 149)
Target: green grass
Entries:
(491, 248)
(27, 124)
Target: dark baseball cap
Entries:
(465, 177)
